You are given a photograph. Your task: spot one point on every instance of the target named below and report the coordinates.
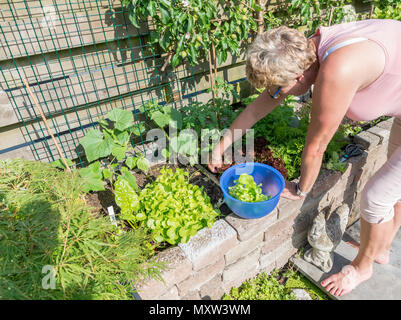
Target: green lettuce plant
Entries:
(171, 207)
(246, 189)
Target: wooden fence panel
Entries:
(82, 58)
(46, 9)
(65, 31)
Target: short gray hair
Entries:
(278, 56)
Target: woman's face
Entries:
(297, 87)
(302, 83)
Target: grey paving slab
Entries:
(385, 284)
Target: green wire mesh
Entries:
(81, 58)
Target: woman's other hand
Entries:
(215, 162)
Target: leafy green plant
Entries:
(286, 132)
(262, 287)
(205, 119)
(171, 207)
(187, 29)
(388, 9)
(268, 287)
(246, 189)
(296, 280)
(46, 222)
(112, 145)
(310, 14)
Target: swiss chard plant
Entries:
(246, 189)
(171, 207)
(110, 152)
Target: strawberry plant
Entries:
(112, 145)
(246, 189)
(171, 207)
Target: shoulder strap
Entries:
(342, 44)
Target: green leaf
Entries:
(131, 162)
(186, 143)
(123, 118)
(126, 198)
(60, 163)
(130, 178)
(151, 8)
(143, 164)
(138, 129)
(92, 176)
(107, 174)
(165, 40)
(190, 24)
(119, 152)
(95, 146)
(175, 117)
(122, 136)
(166, 153)
(165, 15)
(176, 60)
(161, 119)
(133, 18)
(180, 44)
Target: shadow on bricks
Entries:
(331, 189)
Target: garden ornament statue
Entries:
(324, 236)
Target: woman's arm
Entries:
(257, 110)
(335, 87)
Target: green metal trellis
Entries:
(81, 58)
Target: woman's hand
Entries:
(215, 162)
(290, 191)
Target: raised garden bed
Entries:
(235, 249)
(231, 249)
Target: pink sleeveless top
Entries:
(383, 96)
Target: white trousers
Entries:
(383, 189)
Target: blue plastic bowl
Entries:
(272, 184)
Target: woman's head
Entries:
(278, 57)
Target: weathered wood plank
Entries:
(65, 31)
(11, 10)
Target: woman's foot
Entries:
(346, 280)
(381, 258)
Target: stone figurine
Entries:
(324, 236)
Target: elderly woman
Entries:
(356, 71)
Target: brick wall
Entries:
(236, 249)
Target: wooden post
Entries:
(331, 15)
(372, 8)
(211, 76)
(260, 19)
(47, 125)
(214, 60)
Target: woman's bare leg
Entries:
(374, 238)
(384, 256)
